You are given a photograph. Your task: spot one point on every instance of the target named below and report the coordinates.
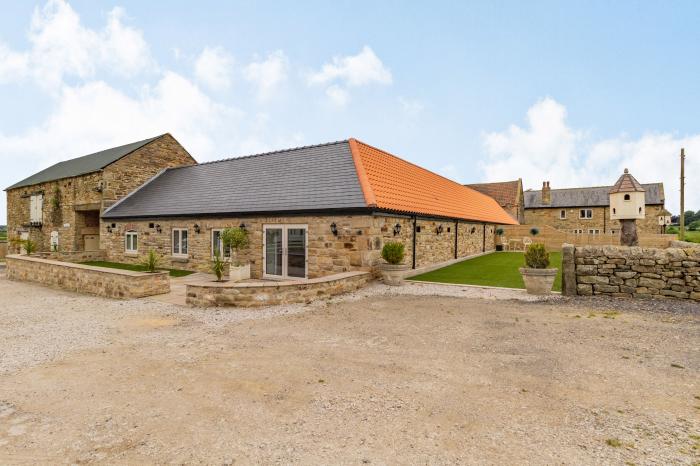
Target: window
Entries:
(562, 214)
(218, 245)
(132, 241)
(593, 231)
(586, 213)
(578, 231)
(180, 242)
(36, 208)
(627, 197)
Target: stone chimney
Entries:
(546, 193)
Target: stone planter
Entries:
(392, 274)
(238, 273)
(538, 281)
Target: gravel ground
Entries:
(424, 374)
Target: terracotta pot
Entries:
(538, 281)
(393, 274)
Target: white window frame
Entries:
(583, 214)
(594, 231)
(562, 214)
(224, 254)
(36, 208)
(578, 231)
(285, 272)
(135, 236)
(179, 253)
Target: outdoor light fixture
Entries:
(334, 229)
(109, 229)
(397, 229)
(439, 229)
(196, 228)
(158, 228)
(242, 226)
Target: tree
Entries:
(236, 239)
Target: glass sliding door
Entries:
(285, 251)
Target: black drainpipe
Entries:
(456, 231)
(483, 246)
(414, 242)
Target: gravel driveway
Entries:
(381, 376)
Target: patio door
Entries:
(285, 251)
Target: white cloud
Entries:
(351, 71)
(61, 47)
(338, 95)
(548, 149)
(214, 67)
(267, 75)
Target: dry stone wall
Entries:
(632, 271)
(111, 283)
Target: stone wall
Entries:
(273, 293)
(80, 199)
(3, 249)
(600, 221)
(74, 256)
(632, 271)
(110, 283)
(357, 246)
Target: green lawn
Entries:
(134, 267)
(497, 269)
(692, 236)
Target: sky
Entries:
(569, 92)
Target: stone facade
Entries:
(600, 220)
(357, 246)
(632, 271)
(3, 249)
(273, 293)
(110, 283)
(72, 206)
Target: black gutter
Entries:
(414, 242)
(286, 213)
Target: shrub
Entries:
(534, 231)
(29, 246)
(393, 252)
(694, 226)
(236, 239)
(536, 256)
(218, 266)
(151, 261)
(500, 231)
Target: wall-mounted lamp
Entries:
(439, 229)
(196, 228)
(334, 229)
(158, 228)
(397, 229)
(242, 226)
(109, 229)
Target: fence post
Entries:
(568, 270)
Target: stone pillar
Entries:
(628, 233)
(568, 270)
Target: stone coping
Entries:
(105, 270)
(277, 284)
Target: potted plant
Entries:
(236, 239)
(537, 275)
(499, 241)
(220, 267)
(151, 261)
(393, 269)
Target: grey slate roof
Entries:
(308, 178)
(597, 196)
(82, 165)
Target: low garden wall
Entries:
(74, 256)
(252, 294)
(111, 283)
(631, 271)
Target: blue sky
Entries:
(570, 92)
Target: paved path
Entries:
(178, 289)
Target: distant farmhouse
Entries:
(587, 210)
(508, 194)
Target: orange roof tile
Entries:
(394, 184)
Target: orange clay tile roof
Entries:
(391, 183)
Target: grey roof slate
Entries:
(597, 196)
(308, 178)
(82, 165)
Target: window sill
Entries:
(131, 254)
(179, 258)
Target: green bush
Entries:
(218, 266)
(393, 252)
(29, 246)
(536, 256)
(236, 239)
(694, 226)
(151, 261)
